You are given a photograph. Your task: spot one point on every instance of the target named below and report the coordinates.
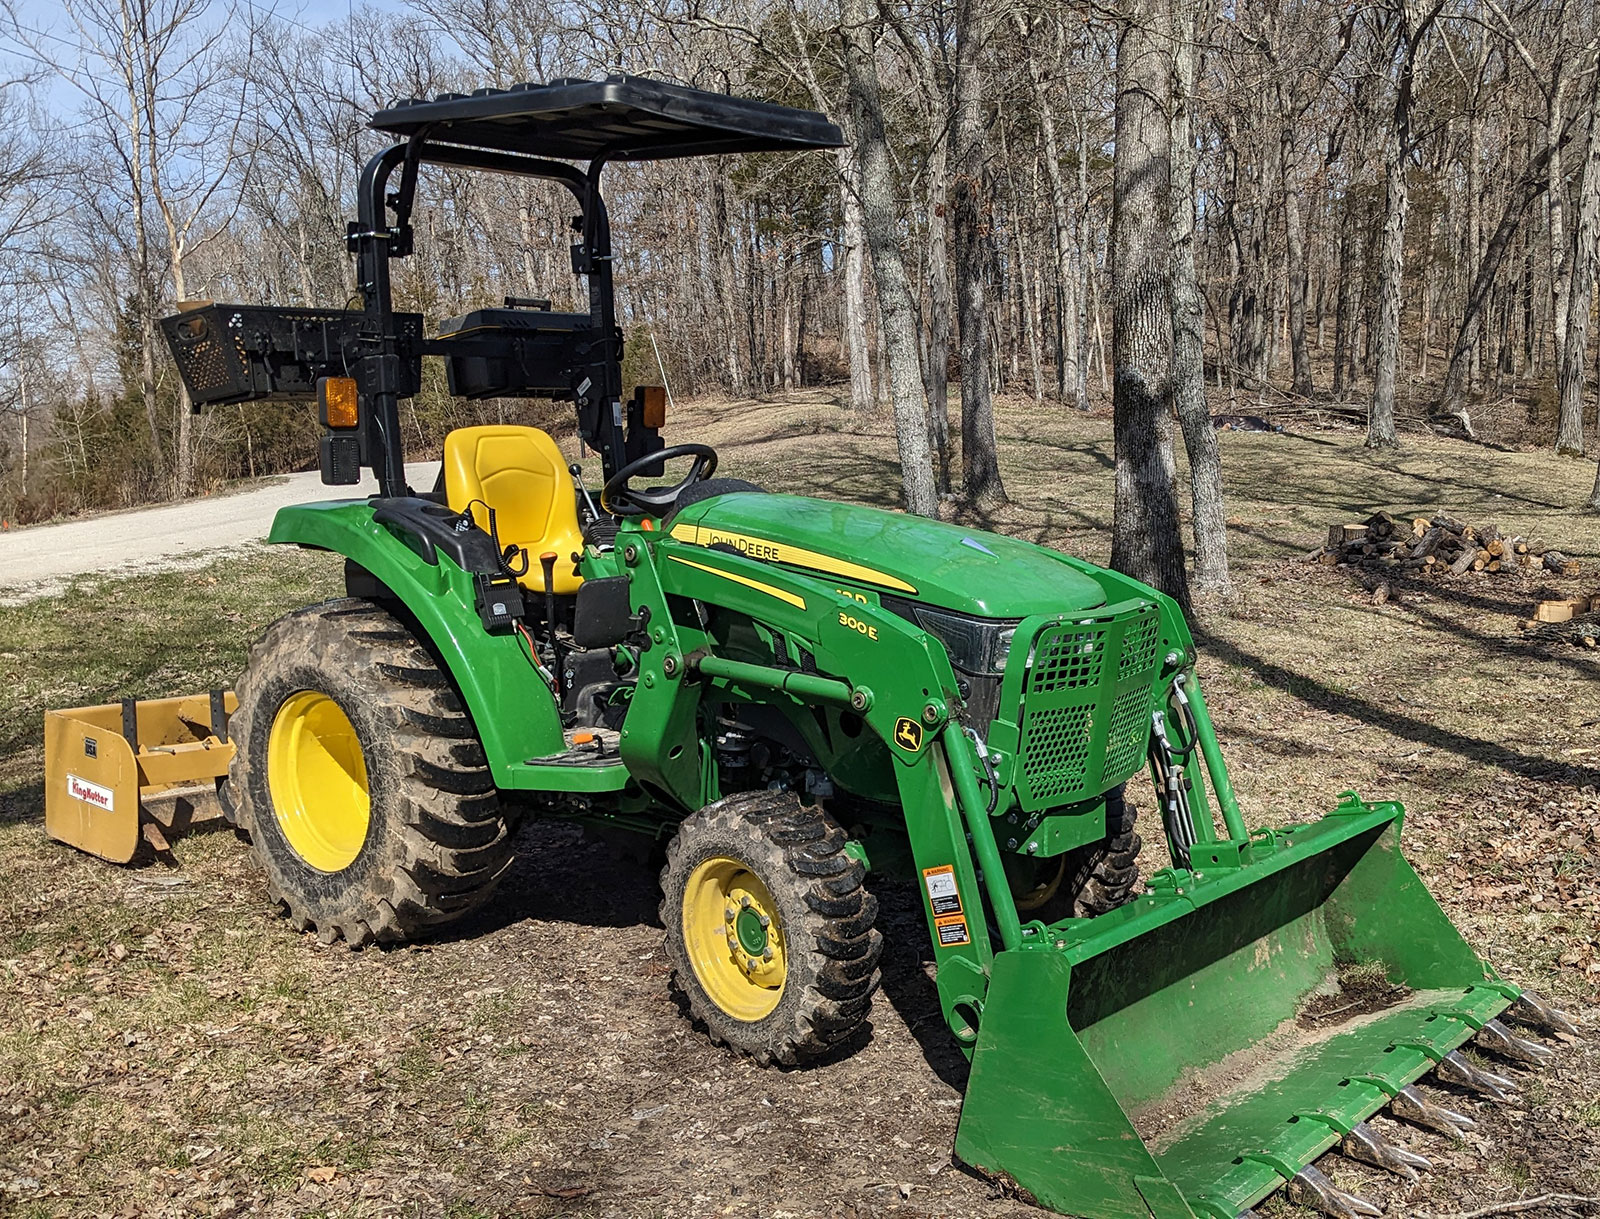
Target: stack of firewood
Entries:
(1435, 546)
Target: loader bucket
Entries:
(149, 767)
(1190, 1053)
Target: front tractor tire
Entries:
(360, 780)
(769, 929)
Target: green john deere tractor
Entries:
(794, 695)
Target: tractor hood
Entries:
(965, 570)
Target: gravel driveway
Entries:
(37, 561)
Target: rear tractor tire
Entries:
(769, 929)
(360, 779)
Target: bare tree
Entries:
(980, 460)
(1209, 523)
(1145, 539)
(859, 29)
(1407, 24)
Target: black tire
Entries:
(1094, 879)
(436, 841)
(695, 492)
(824, 914)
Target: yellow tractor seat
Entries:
(520, 473)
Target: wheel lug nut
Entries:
(729, 913)
(766, 954)
(745, 901)
(765, 921)
(752, 963)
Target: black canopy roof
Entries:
(626, 118)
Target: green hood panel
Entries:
(966, 570)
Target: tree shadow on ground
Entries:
(1320, 696)
(907, 984)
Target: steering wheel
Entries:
(619, 499)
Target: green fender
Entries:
(513, 710)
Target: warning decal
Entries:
(952, 931)
(942, 893)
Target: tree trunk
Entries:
(1575, 350)
(1391, 258)
(1145, 538)
(1188, 322)
(1523, 192)
(1555, 205)
(897, 319)
(1344, 317)
(1050, 154)
(853, 263)
(1295, 255)
(980, 462)
(936, 376)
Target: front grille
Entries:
(1086, 698)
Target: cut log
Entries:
(1466, 559)
(1343, 535)
(1487, 534)
(1419, 526)
(1555, 561)
(1496, 549)
(1564, 610)
(1445, 522)
(1428, 543)
(1492, 565)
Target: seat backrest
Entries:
(520, 473)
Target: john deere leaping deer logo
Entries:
(908, 734)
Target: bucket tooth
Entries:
(1310, 1187)
(1455, 1069)
(1367, 1145)
(1536, 1012)
(1412, 1105)
(1497, 1037)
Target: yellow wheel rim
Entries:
(734, 938)
(318, 781)
(1045, 890)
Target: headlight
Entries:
(975, 645)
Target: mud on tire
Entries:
(827, 917)
(436, 843)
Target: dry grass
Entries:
(168, 1049)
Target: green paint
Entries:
(513, 711)
(752, 935)
(966, 570)
(1198, 989)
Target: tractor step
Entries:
(589, 763)
(585, 747)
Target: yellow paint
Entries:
(779, 552)
(317, 778)
(520, 473)
(780, 594)
(908, 734)
(855, 624)
(96, 785)
(744, 986)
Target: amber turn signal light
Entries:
(336, 400)
(653, 404)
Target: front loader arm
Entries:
(895, 677)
